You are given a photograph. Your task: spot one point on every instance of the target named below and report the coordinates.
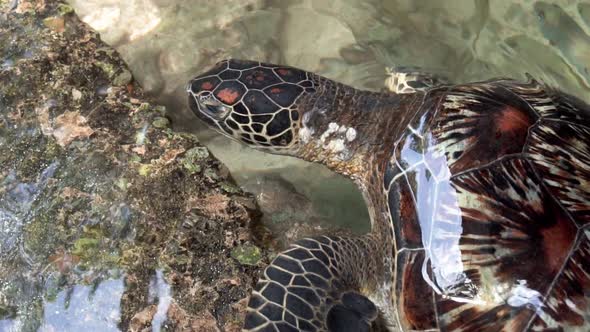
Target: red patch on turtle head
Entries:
(228, 95)
(511, 119)
(207, 86)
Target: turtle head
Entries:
(255, 103)
(289, 111)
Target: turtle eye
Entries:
(217, 111)
(214, 109)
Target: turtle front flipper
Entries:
(313, 286)
(410, 80)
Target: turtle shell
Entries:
(489, 195)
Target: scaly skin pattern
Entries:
(314, 286)
(479, 198)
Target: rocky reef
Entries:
(95, 188)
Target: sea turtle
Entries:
(478, 194)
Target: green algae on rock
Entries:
(193, 158)
(161, 122)
(94, 187)
(247, 254)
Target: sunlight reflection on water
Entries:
(84, 308)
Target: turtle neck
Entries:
(353, 133)
(351, 130)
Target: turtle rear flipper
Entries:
(310, 287)
(410, 80)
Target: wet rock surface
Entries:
(109, 220)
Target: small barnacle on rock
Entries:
(76, 94)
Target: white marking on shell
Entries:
(574, 307)
(522, 295)
(545, 108)
(350, 134)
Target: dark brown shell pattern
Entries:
(489, 193)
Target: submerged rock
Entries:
(98, 195)
(288, 214)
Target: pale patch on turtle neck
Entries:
(335, 139)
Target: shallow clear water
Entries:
(166, 42)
